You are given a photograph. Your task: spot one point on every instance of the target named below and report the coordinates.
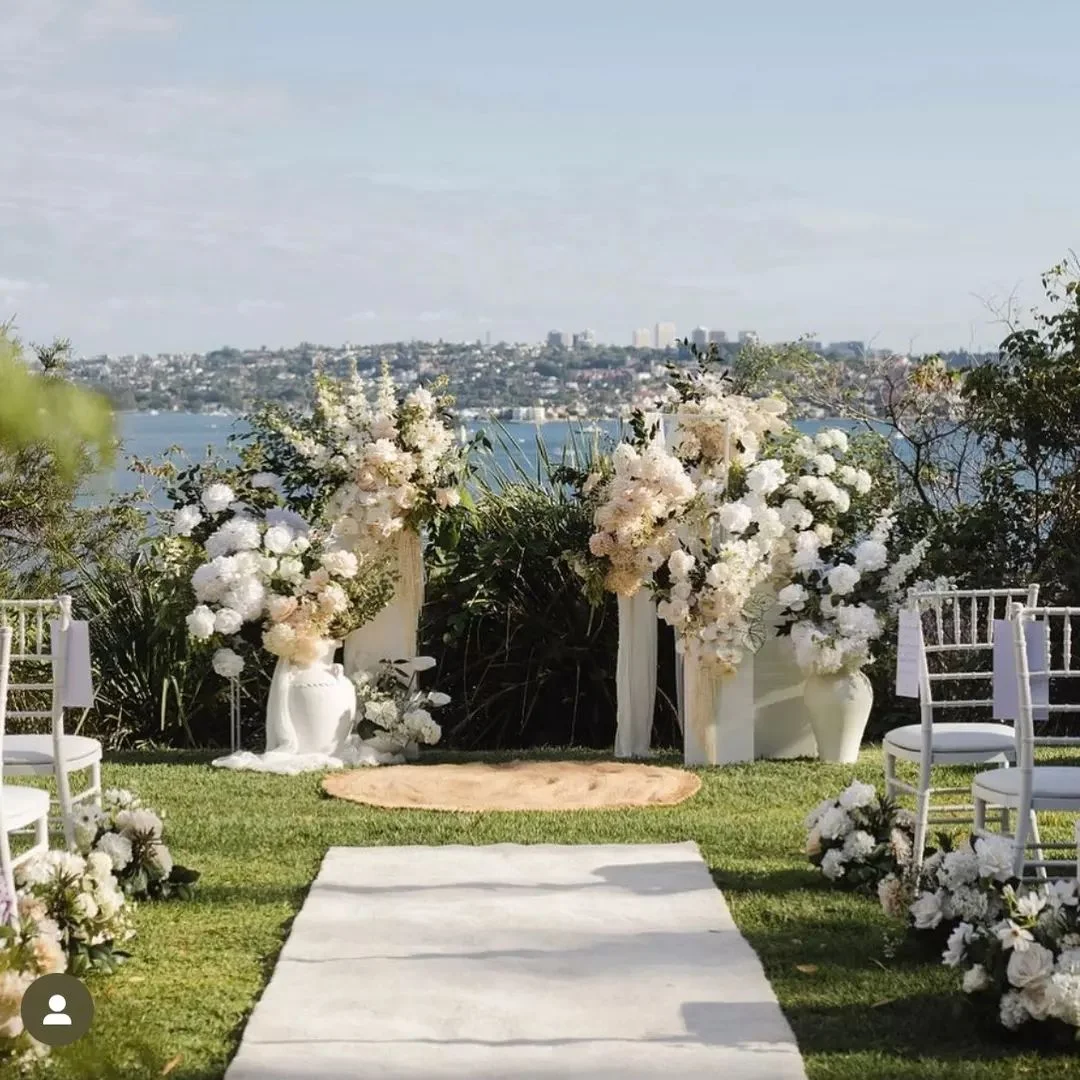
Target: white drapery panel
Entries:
(394, 632)
(635, 674)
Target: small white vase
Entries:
(312, 708)
(839, 707)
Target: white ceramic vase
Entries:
(311, 709)
(839, 707)
(393, 633)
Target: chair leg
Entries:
(922, 816)
(890, 774)
(95, 782)
(41, 832)
(1023, 825)
(1040, 871)
(978, 825)
(63, 794)
(7, 876)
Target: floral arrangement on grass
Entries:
(836, 606)
(1025, 964)
(85, 901)
(638, 512)
(130, 834)
(381, 466)
(860, 838)
(29, 948)
(393, 713)
(270, 579)
(955, 885)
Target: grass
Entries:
(179, 1006)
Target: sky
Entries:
(179, 175)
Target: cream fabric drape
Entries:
(635, 675)
(718, 726)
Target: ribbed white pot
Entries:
(839, 707)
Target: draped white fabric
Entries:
(635, 675)
(392, 634)
(718, 726)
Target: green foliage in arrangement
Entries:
(525, 656)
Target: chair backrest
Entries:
(1058, 663)
(37, 656)
(958, 643)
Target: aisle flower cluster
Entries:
(130, 834)
(859, 838)
(393, 712)
(84, 899)
(29, 948)
(274, 572)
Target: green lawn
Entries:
(179, 1006)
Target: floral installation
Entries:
(1024, 961)
(29, 948)
(130, 834)
(393, 713)
(860, 838)
(954, 885)
(637, 514)
(841, 593)
(269, 578)
(85, 901)
(382, 466)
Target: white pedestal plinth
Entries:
(718, 727)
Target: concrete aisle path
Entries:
(512, 962)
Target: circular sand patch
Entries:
(515, 785)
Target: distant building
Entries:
(665, 335)
(847, 350)
(748, 337)
(814, 346)
(699, 336)
(586, 339)
(559, 339)
(717, 337)
(641, 339)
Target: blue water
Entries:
(149, 436)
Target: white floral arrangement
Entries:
(960, 885)
(715, 429)
(841, 593)
(130, 834)
(85, 901)
(1024, 962)
(392, 464)
(392, 711)
(637, 515)
(860, 838)
(273, 572)
(29, 948)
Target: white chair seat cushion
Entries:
(28, 751)
(956, 738)
(1047, 782)
(23, 805)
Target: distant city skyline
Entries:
(185, 176)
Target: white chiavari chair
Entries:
(956, 656)
(1030, 788)
(41, 656)
(21, 807)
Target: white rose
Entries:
(681, 563)
(1029, 966)
(277, 539)
(201, 623)
(735, 517)
(218, 497)
(842, 579)
(926, 910)
(792, 597)
(227, 663)
(227, 621)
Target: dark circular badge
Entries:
(57, 1009)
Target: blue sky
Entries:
(186, 174)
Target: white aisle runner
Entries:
(512, 962)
